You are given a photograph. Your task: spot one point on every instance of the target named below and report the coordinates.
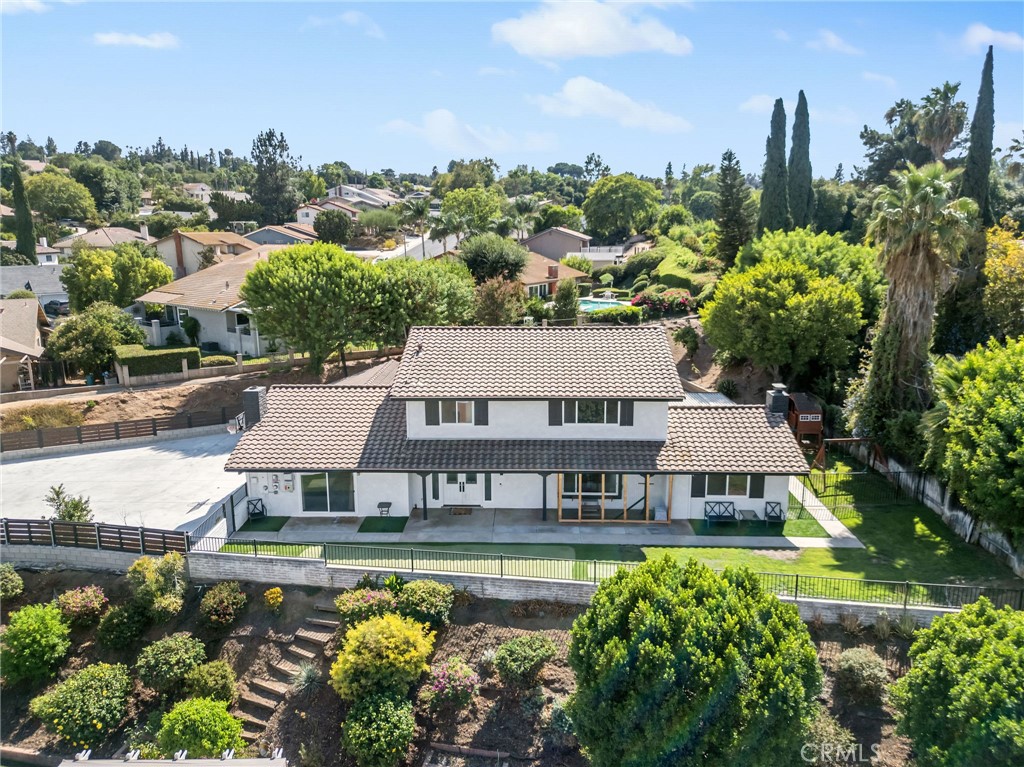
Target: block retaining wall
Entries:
(76, 559)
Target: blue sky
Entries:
(412, 85)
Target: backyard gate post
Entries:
(39, 437)
(142, 541)
(78, 431)
(255, 551)
(412, 560)
(7, 532)
(53, 538)
(796, 588)
(154, 426)
(97, 526)
(501, 565)
(595, 571)
(906, 594)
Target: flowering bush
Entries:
(166, 607)
(120, 627)
(274, 598)
(11, 584)
(361, 604)
(378, 731)
(385, 655)
(222, 603)
(164, 664)
(427, 602)
(153, 578)
(34, 644)
(82, 606)
(201, 726)
(451, 686)
(671, 301)
(85, 708)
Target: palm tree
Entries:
(446, 225)
(417, 212)
(526, 210)
(921, 227)
(504, 225)
(940, 119)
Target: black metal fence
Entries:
(845, 493)
(102, 432)
(902, 594)
(87, 535)
(225, 510)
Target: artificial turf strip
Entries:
(264, 525)
(383, 524)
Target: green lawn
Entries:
(263, 525)
(383, 524)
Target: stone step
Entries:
(260, 701)
(301, 652)
(250, 736)
(285, 668)
(325, 622)
(325, 607)
(314, 637)
(278, 689)
(255, 722)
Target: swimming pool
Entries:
(593, 304)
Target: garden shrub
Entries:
(222, 603)
(146, 362)
(34, 644)
(614, 271)
(861, 674)
(201, 726)
(381, 655)
(451, 686)
(559, 731)
(122, 626)
(728, 387)
(82, 606)
(88, 706)
(217, 360)
(657, 304)
(67, 507)
(378, 731)
(827, 742)
(664, 644)
(519, 660)
(358, 605)
(307, 680)
(427, 602)
(166, 607)
(961, 701)
(215, 680)
(11, 584)
(163, 665)
(687, 336)
(273, 598)
(152, 578)
(394, 583)
(618, 315)
(647, 261)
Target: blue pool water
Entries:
(593, 304)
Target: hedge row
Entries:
(147, 362)
(620, 315)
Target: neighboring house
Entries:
(542, 275)
(363, 197)
(6, 211)
(574, 423)
(557, 242)
(236, 196)
(211, 296)
(199, 192)
(104, 237)
(183, 251)
(44, 253)
(307, 213)
(43, 280)
(35, 166)
(286, 234)
(23, 329)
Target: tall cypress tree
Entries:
(774, 186)
(974, 183)
(801, 194)
(24, 229)
(733, 213)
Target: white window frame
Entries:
(462, 408)
(810, 417)
(182, 314)
(538, 291)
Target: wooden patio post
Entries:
(558, 487)
(625, 497)
(671, 483)
(579, 499)
(602, 496)
(647, 497)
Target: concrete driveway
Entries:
(167, 485)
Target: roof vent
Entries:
(776, 399)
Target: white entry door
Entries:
(462, 489)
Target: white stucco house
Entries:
(580, 424)
(183, 251)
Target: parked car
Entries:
(57, 308)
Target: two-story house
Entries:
(189, 252)
(581, 424)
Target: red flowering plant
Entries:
(451, 687)
(361, 604)
(671, 301)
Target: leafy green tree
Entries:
(87, 339)
(333, 226)
(734, 213)
(940, 119)
(500, 302)
(476, 207)
(311, 297)
(673, 215)
(975, 181)
(67, 507)
(774, 212)
(24, 229)
(379, 221)
(117, 276)
(703, 205)
(619, 206)
(921, 226)
(679, 666)
(783, 316)
(108, 150)
(112, 189)
(594, 168)
(273, 190)
(488, 256)
(579, 262)
(164, 223)
(431, 292)
(567, 300)
(801, 193)
(1004, 273)
(226, 210)
(311, 186)
(974, 432)
(835, 206)
(55, 196)
(894, 150)
(961, 701)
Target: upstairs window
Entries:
(591, 411)
(456, 411)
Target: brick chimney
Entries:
(254, 405)
(777, 399)
(144, 231)
(552, 271)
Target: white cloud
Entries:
(23, 6)
(781, 35)
(156, 40)
(760, 104)
(978, 37)
(355, 19)
(827, 40)
(443, 131)
(835, 115)
(583, 97)
(495, 72)
(875, 77)
(564, 30)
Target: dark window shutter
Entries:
(433, 412)
(487, 487)
(569, 410)
(757, 485)
(698, 486)
(554, 412)
(434, 489)
(626, 412)
(480, 412)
